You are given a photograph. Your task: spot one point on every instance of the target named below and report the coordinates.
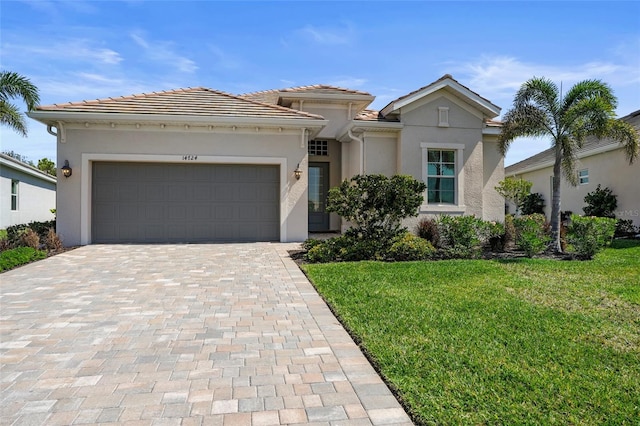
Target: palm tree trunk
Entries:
(555, 203)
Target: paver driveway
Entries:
(179, 334)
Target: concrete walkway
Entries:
(229, 334)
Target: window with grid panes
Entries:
(318, 147)
(441, 176)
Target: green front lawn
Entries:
(499, 342)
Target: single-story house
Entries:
(600, 162)
(28, 194)
(197, 164)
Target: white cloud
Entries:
(328, 35)
(223, 59)
(499, 77)
(78, 50)
(164, 52)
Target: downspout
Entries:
(303, 137)
(361, 143)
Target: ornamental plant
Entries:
(589, 234)
(600, 203)
(460, 236)
(375, 204)
(532, 234)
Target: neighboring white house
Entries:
(28, 194)
(600, 162)
(197, 164)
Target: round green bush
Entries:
(410, 247)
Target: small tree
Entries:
(601, 203)
(47, 166)
(514, 190)
(533, 203)
(375, 204)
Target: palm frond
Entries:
(569, 159)
(589, 89)
(540, 92)
(10, 116)
(627, 135)
(14, 85)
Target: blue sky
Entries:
(75, 50)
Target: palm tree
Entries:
(588, 108)
(14, 85)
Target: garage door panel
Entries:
(149, 202)
(152, 192)
(247, 192)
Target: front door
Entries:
(318, 187)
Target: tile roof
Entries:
(372, 115)
(198, 101)
(591, 143)
(272, 96)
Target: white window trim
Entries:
(15, 195)
(459, 206)
(583, 177)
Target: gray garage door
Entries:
(172, 203)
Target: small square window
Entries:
(318, 148)
(583, 176)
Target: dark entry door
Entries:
(318, 187)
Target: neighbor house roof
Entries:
(450, 84)
(592, 145)
(12, 163)
(198, 101)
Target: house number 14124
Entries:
(190, 157)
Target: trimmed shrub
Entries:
(589, 234)
(460, 236)
(349, 247)
(41, 228)
(410, 247)
(310, 243)
(375, 204)
(600, 203)
(428, 229)
(626, 228)
(532, 203)
(532, 234)
(19, 256)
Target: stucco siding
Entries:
(465, 129)
(380, 154)
(36, 197)
(493, 165)
(283, 148)
(335, 113)
(609, 169)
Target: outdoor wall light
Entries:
(66, 170)
(298, 172)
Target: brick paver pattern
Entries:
(206, 334)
